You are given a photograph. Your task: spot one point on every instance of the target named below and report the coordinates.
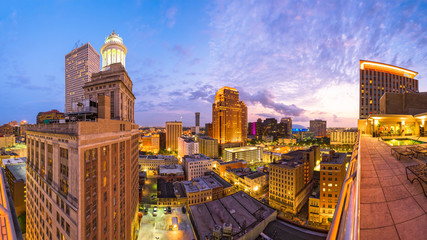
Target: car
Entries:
(183, 210)
(165, 211)
(169, 210)
(145, 211)
(154, 211)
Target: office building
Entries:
(318, 127)
(247, 153)
(173, 132)
(237, 216)
(196, 165)
(332, 174)
(209, 129)
(197, 128)
(290, 180)
(15, 175)
(229, 117)
(80, 64)
(379, 78)
(187, 146)
(403, 103)
(208, 146)
(284, 128)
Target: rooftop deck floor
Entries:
(391, 207)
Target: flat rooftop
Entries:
(391, 207)
(156, 157)
(221, 180)
(284, 163)
(195, 185)
(255, 175)
(170, 169)
(231, 162)
(14, 160)
(18, 171)
(335, 158)
(196, 157)
(211, 182)
(240, 210)
(165, 189)
(241, 149)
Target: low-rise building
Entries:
(237, 216)
(151, 163)
(7, 141)
(343, 137)
(246, 179)
(269, 157)
(248, 153)
(170, 194)
(313, 206)
(221, 167)
(171, 173)
(196, 165)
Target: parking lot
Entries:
(159, 227)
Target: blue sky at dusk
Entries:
(296, 59)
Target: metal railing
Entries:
(345, 224)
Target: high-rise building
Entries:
(197, 122)
(248, 153)
(332, 174)
(291, 179)
(208, 146)
(82, 178)
(379, 78)
(285, 127)
(229, 117)
(318, 127)
(173, 132)
(80, 63)
(209, 129)
(113, 81)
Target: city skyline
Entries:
(302, 63)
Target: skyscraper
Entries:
(80, 63)
(378, 78)
(229, 117)
(318, 127)
(173, 132)
(285, 127)
(113, 80)
(197, 122)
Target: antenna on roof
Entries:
(76, 45)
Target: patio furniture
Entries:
(401, 152)
(418, 150)
(420, 172)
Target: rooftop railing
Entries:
(345, 224)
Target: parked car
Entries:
(165, 211)
(169, 210)
(184, 210)
(155, 211)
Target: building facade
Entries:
(80, 64)
(113, 51)
(208, 146)
(379, 78)
(229, 117)
(187, 146)
(247, 153)
(151, 163)
(171, 173)
(82, 180)
(332, 174)
(15, 174)
(43, 117)
(318, 127)
(173, 132)
(341, 137)
(196, 165)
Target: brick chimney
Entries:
(104, 107)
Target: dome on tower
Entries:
(113, 50)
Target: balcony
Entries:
(377, 200)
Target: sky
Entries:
(297, 59)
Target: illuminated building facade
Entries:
(42, 117)
(379, 78)
(285, 127)
(79, 66)
(82, 179)
(113, 51)
(332, 174)
(196, 165)
(187, 146)
(229, 117)
(173, 132)
(290, 180)
(247, 153)
(208, 146)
